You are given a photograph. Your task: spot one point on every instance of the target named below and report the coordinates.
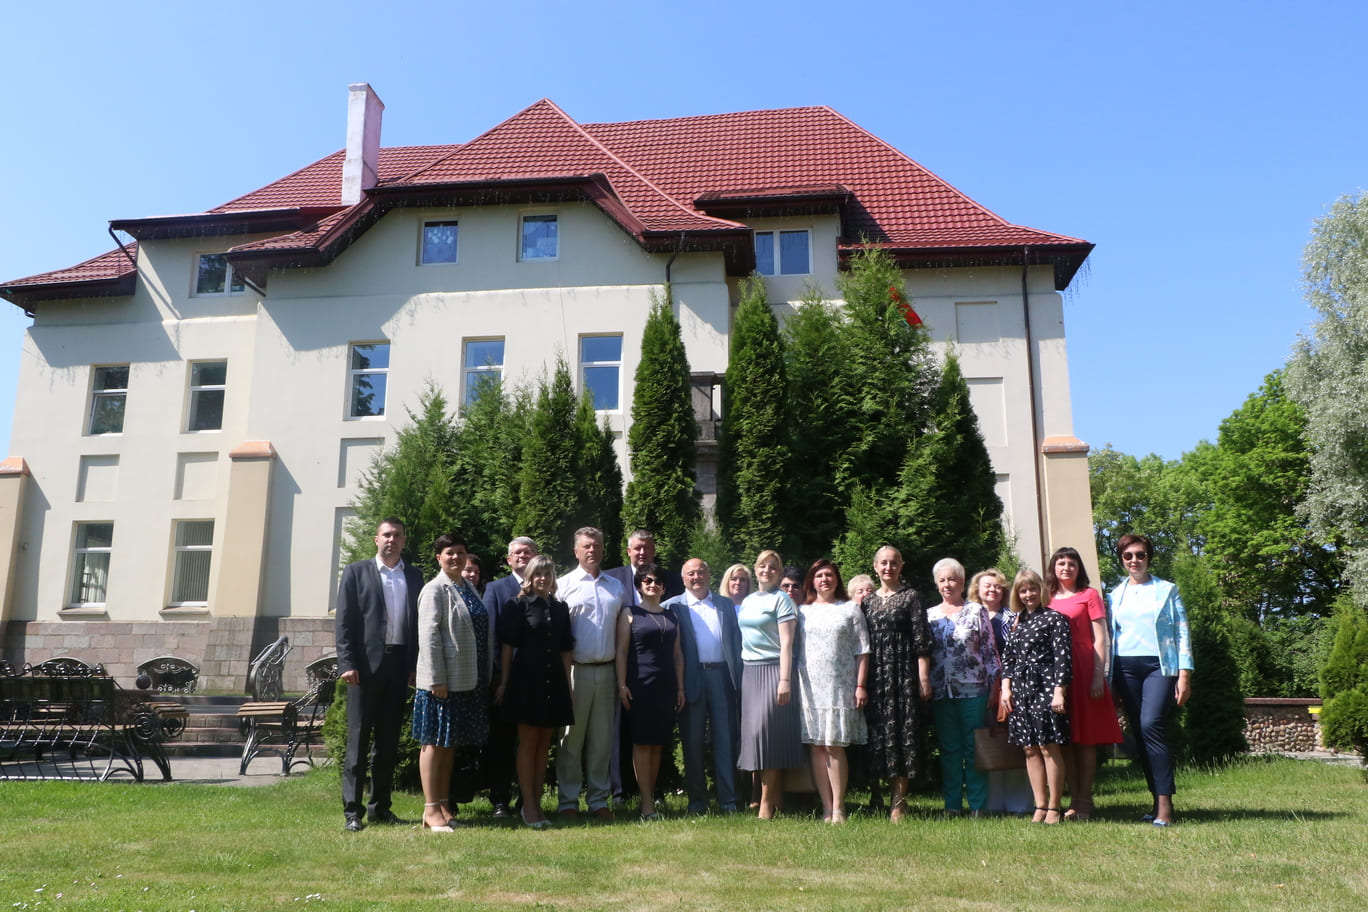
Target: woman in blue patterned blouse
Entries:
(964, 669)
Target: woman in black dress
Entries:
(899, 679)
(650, 674)
(534, 683)
(1036, 669)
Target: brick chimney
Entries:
(361, 168)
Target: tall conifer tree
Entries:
(662, 444)
(411, 480)
(550, 488)
(755, 457)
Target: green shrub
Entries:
(1347, 666)
(1344, 721)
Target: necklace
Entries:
(657, 618)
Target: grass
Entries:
(1260, 834)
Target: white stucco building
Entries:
(195, 406)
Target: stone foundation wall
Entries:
(1276, 725)
(222, 647)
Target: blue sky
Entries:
(1194, 143)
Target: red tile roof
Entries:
(657, 179)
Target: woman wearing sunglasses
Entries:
(650, 673)
(1152, 665)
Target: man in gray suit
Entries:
(711, 641)
(377, 654)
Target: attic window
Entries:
(214, 276)
(439, 241)
(540, 237)
(783, 253)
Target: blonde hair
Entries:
(725, 585)
(1026, 578)
(535, 567)
(861, 579)
(979, 577)
(765, 557)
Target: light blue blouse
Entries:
(759, 618)
(1170, 625)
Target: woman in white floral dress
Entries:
(831, 682)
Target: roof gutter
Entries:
(131, 259)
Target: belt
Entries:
(709, 666)
(604, 662)
(392, 648)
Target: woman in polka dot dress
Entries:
(1037, 667)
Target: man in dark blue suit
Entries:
(503, 734)
(711, 642)
(641, 550)
(377, 653)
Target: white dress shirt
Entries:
(395, 584)
(707, 627)
(594, 605)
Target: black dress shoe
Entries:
(386, 817)
(353, 824)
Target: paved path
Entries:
(222, 771)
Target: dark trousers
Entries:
(375, 713)
(1148, 698)
(717, 704)
(500, 755)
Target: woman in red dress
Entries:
(1092, 717)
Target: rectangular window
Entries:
(439, 242)
(540, 240)
(783, 253)
(368, 372)
(213, 275)
(484, 360)
(193, 550)
(601, 368)
(90, 564)
(109, 395)
(208, 383)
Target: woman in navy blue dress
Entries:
(650, 674)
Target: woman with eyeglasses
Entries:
(650, 674)
(1152, 665)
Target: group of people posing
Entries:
(776, 670)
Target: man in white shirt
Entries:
(595, 600)
(711, 641)
(377, 652)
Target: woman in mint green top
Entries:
(771, 726)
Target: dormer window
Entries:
(540, 238)
(783, 253)
(214, 276)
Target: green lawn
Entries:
(1263, 834)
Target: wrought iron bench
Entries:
(169, 675)
(64, 719)
(274, 725)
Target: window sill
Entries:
(84, 611)
(185, 610)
